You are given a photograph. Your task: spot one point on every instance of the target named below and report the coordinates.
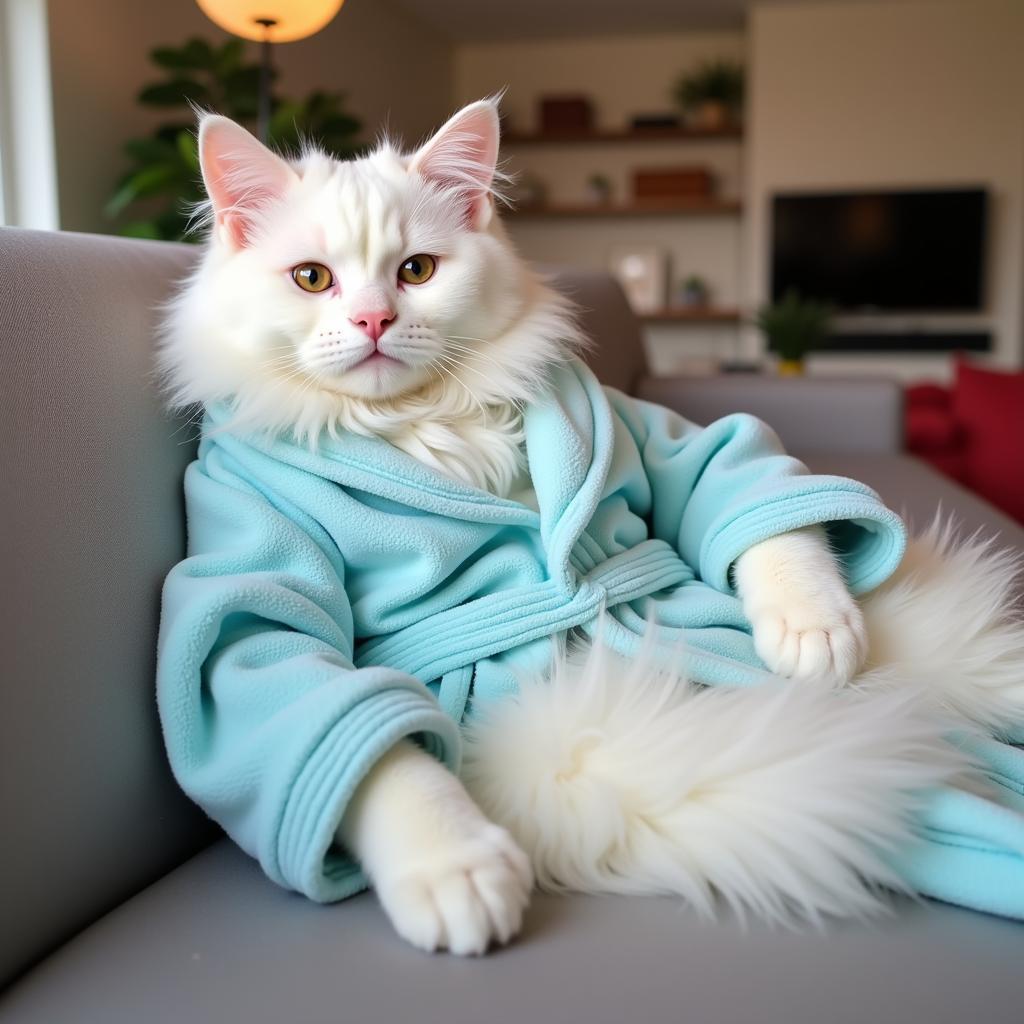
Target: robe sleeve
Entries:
(716, 491)
(268, 725)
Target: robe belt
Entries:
(488, 625)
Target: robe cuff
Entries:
(868, 537)
(307, 860)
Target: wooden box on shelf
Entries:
(672, 182)
(566, 114)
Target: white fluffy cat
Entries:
(308, 314)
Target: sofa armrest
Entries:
(810, 414)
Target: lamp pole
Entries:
(263, 118)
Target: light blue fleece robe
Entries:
(334, 602)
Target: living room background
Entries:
(840, 95)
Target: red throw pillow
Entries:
(929, 429)
(928, 396)
(989, 405)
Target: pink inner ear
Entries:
(463, 155)
(241, 175)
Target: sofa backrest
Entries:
(92, 522)
(841, 415)
(616, 353)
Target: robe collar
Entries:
(569, 438)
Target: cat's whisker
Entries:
(462, 365)
(195, 418)
(441, 360)
(472, 369)
(477, 354)
(443, 364)
(483, 376)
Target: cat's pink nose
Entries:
(373, 323)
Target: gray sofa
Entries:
(121, 903)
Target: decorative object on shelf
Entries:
(672, 183)
(622, 136)
(794, 327)
(642, 270)
(528, 191)
(570, 114)
(684, 206)
(649, 122)
(696, 366)
(692, 315)
(599, 189)
(694, 292)
(740, 366)
(267, 22)
(712, 96)
(162, 184)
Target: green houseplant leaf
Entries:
(194, 55)
(146, 182)
(795, 326)
(155, 195)
(716, 81)
(176, 92)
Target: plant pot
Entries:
(791, 367)
(712, 116)
(693, 297)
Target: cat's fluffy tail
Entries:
(620, 776)
(952, 616)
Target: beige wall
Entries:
(392, 69)
(623, 75)
(894, 94)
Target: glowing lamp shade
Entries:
(274, 21)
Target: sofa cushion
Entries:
(215, 941)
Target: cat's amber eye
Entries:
(417, 269)
(312, 277)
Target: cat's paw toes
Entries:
(464, 897)
(824, 645)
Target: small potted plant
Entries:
(694, 291)
(599, 189)
(794, 327)
(712, 96)
(529, 191)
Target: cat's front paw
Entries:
(462, 896)
(803, 640)
(805, 622)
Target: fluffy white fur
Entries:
(467, 348)
(623, 777)
(953, 618)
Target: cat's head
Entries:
(385, 283)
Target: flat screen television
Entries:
(863, 251)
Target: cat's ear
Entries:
(242, 177)
(463, 155)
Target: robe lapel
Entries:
(377, 467)
(569, 436)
